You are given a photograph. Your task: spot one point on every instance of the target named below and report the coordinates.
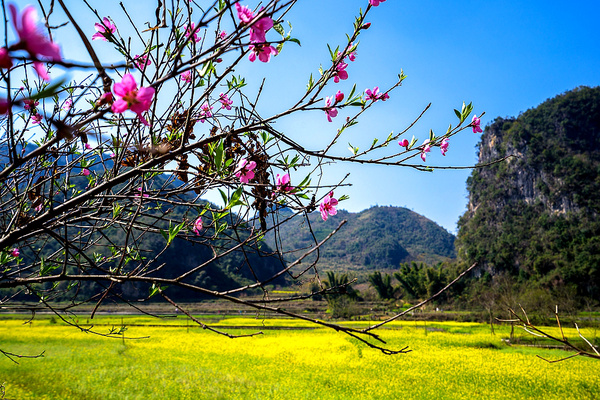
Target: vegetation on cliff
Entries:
(535, 217)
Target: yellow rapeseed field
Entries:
(448, 361)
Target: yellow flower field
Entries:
(448, 361)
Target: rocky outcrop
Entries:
(536, 213)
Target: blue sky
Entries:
(504, 56)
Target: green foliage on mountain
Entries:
(373, 239)
(536, 216)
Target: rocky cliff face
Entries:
(536, 214)
(528, 183)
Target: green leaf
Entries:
(224, 197)
(173, 231)
(219, 155)
(305, 182)
(45, 268)
(412, 142)
(330, 52)
(458, 114)
(48, 91)
(295, 41)
(352, 91)
(279, 29)
(165, 234)
(311, 83)
(154, 290)
(389, 138)
(236, 198)
(116, 210)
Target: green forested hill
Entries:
(537, 215)
(377, 238)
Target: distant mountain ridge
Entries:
(374, 239)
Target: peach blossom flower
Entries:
(32, 39)
(198, 226)
(244, 170)
(476, 124)
(327, 206)
(132, 98)
(104, 29)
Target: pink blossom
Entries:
(132, 98)
(330, 110)
(244, 13)
(186, 76)
(259, 29)
(198, 226)
(339, 96)
(112, 155)
(283, 183)
(5, 60)
(141, 62)
(30, 35)
(88, 146)
(327, 206)
(39, 207)
(366, 26)
(340, 72)
(205, 111)
(4, 106)
(15, 252)
(352, 56)
(30, 104)
(476, 124)
(375, 3)
(37, 118)
(190, 32)
(223, 34)
(32, 38)
(106, 98)
(426, 148)
(225, 101)
(141, 193)
(41, 70)
(263, 51)
(404, 143)
(68, 104)
(444, 146)
(244, 170)
(372, 95)
(104, 30)
(85, 172)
